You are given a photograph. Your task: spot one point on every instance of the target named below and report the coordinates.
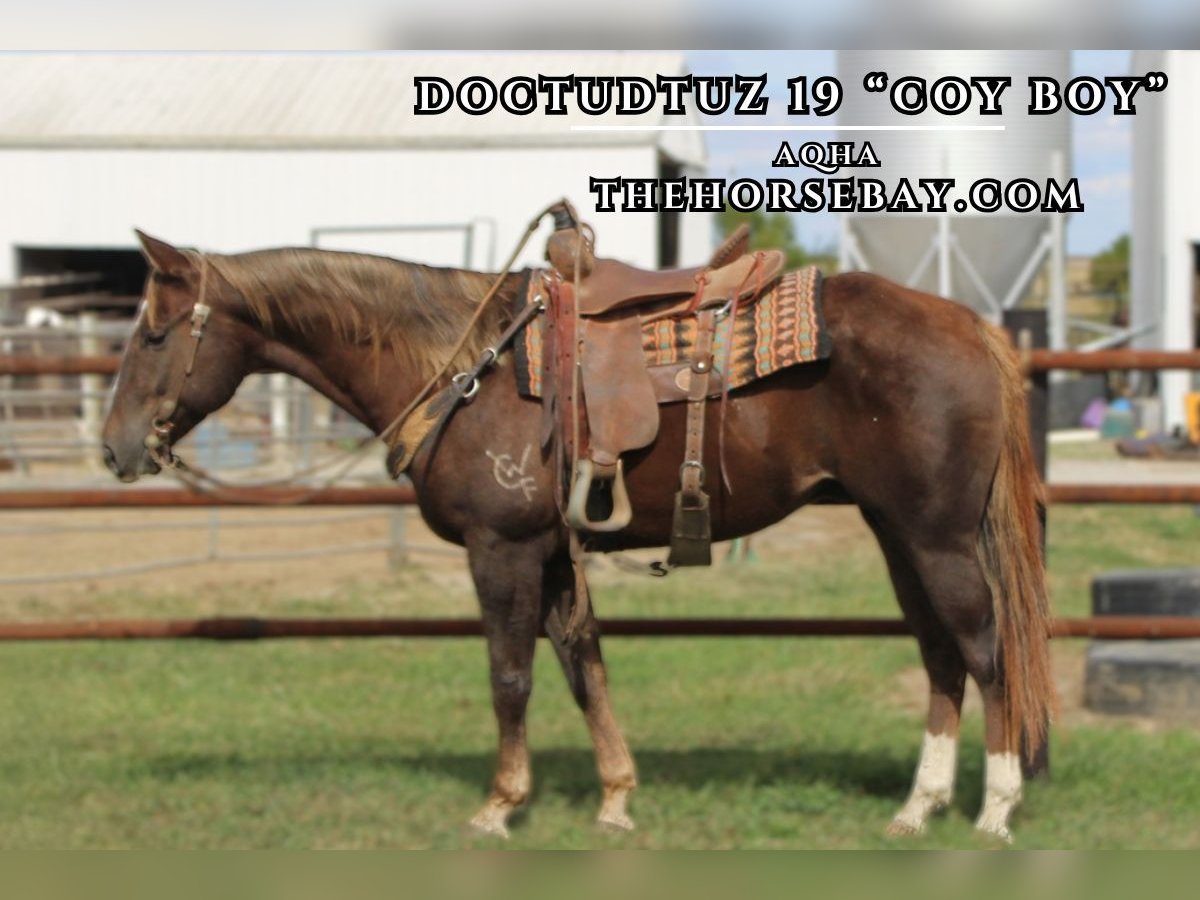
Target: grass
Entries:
(740, 743)
(1098, 450)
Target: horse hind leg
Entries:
(962, 598)
(933, 781)
(587, 678)
(1002, 777)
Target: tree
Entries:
(1110, 270)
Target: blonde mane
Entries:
(413, 311)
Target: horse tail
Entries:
(1010, 549)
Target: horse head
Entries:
(184, 360)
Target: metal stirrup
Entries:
(622, 511)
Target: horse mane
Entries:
(413, 311)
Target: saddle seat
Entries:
(613, 286)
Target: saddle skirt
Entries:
(780, 328)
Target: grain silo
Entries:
(986, 260)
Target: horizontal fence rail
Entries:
(251, 629)
(1036, 361)
(1138, 494)
(402, 495)
(170, 498)
(59, 365)
(1112, 360)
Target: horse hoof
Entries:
(995, 831)
(619, 823)
(902, 828)
(490, 822)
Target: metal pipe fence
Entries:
(251, 628)
(402, 495)
(1036, 361)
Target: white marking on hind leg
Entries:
(933, 784)
(492, 819)
(612, 811)
(1002, 793)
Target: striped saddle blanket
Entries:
(780, 328)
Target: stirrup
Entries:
(577, 516)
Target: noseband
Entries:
(158, 440)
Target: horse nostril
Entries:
(110, 459)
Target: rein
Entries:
(462, 388)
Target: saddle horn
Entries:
(569, 249)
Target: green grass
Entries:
(1103, 450)
(389, 743)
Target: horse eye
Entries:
(154, 338)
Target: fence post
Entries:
(397, 554)
(91, 405)
(10, 413)
(281, 418)
(1029, 331)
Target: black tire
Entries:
(1147, 592)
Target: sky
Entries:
(1101, 144)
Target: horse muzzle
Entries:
(129, 467)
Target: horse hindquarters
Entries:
(949, 486)
(1007, 653)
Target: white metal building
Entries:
(1166, 217)
(234, 152)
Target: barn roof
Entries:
(300, 101)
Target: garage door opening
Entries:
(120, 273)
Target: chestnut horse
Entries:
(918, 417)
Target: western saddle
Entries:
(600, 398)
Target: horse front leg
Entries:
(584, 669)
(508, 580)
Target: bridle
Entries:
(158, 439)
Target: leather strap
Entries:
(583, 595)
(560, 408)
(430, 416)
(691, 473)
(158, 440)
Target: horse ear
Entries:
(162, 255)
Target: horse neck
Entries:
(372, 388)
(374, 385)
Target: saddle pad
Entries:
(783, 327)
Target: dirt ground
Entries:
(36, 544)
(346, 544)
(89, 541)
